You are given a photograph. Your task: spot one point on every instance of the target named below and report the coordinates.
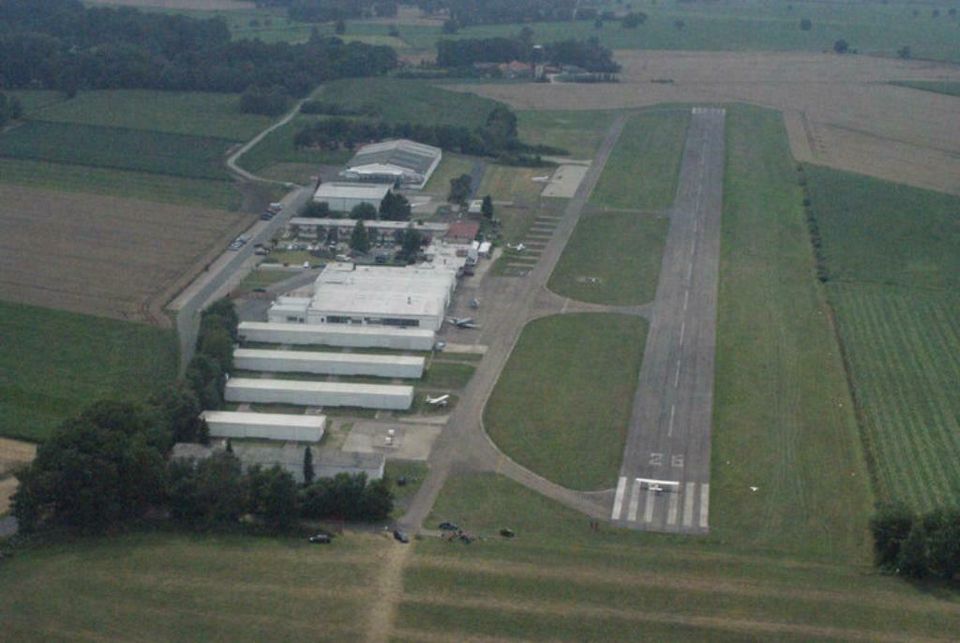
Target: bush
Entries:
(207, 493)
(347, 497)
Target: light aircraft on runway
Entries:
(462, 322)
(657, 486)
(437, 401)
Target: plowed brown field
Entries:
(101, 255)
(840, 111)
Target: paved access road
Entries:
(669, 435)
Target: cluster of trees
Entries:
(10, 109)
(460, 188)
(214, 353)
(917, 546)
(477, 12)
(334, 10)
(588, 54)
(64, 45)
(496, 137)
(268, 101)
(109, 465)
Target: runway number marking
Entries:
(676, 461)
(656, 459)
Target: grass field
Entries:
(893, 254)
(201, 114)
(754, 25)
(177, 587)
(559, 579)
(407, 101)
(447, 375)
(937, 87)
(578, 132)
(176, 190)
(451, 166)
(783, 417)
(506, 183)
(278, 148)
(117, 148)
(641, 173)
(561, 405)
(60, 362)
(612, 258)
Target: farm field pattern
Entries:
(107, 256)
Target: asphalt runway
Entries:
(669, 434)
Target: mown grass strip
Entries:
(563, 401)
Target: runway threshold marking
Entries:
(618, 499)
(688, 504)
(634, 501)
(648, 509)
(704, 503)
(672, 508)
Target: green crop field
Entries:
(562, 403)
(559, 579)
(178, 190)
(892, 255)
(189, 113)
(117, 148)
(183, 587)
(410, 101)
(59, 362)
(783, 417)
(641, 173)
(612, 258)
(753, 25)
(579, 133)
(903, 349)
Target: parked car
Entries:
(448, 526)
(320, 539)
(400, 535)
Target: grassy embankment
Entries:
(57, 362)
(892, 255)
(161, 146)
(562, 404)
(614, 256)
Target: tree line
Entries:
(917, 546)
(333, 10)
(480, 12)
(588, 54)
(496, 137)
(63, 45)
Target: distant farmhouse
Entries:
(403, 162)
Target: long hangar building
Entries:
(400, 162)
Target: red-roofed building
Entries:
(462, 232)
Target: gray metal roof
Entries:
(402, 153)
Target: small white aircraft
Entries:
(437, 401)
(462, 322)
(519, 247)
